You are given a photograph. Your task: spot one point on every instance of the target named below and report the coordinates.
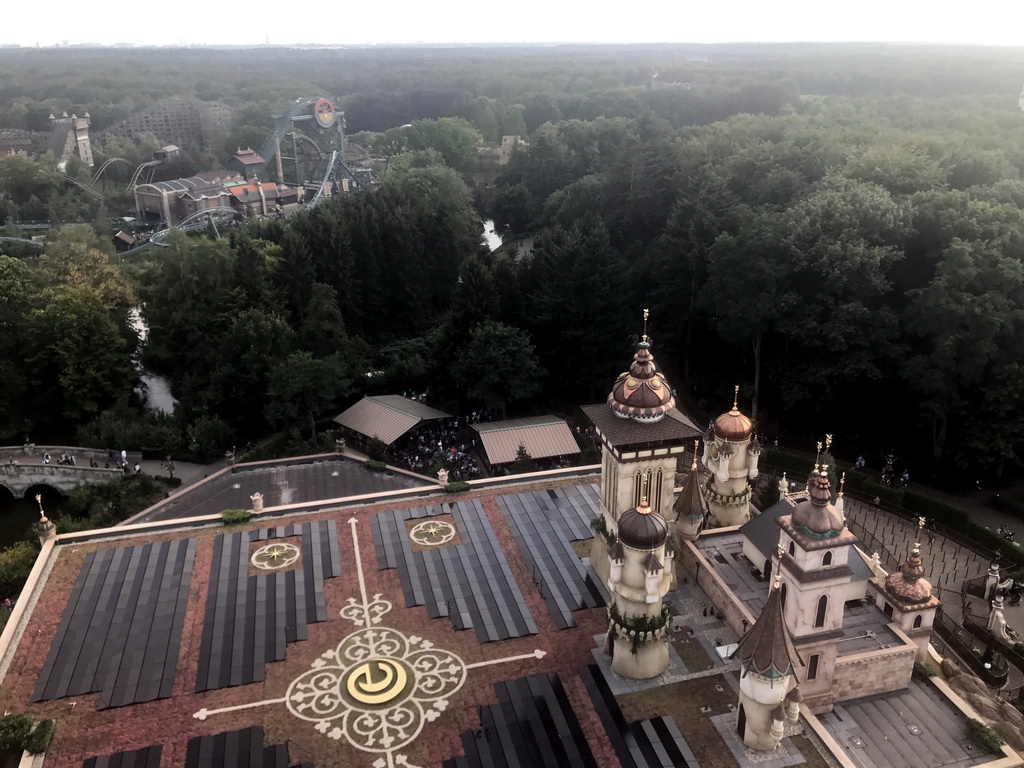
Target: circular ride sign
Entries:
(324, 113)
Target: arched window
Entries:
(792, 549)
(819, 617)
(638, 489)
(918, 620)
(782, 594)
(826, 559)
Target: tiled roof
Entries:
(621, 432)
(542, 436)
(767, 648)
(387, 417)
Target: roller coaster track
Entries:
(83, 187)
(102, 169)
(21, 241)
(327, 175)
(139, 170)
(284, 122)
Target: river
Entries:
(154, 390)
(491, 238)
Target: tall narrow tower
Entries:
(768, 662)
(731, 453)
(816, 576)
(641, 569)
(643, 435)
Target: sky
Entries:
(985, 22)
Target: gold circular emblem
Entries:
(655, 384)
(631, 383)
(377, 681)
(714, 451)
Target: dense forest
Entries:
(838, 229)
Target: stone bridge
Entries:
(22, 468)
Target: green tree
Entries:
(16, 562)
(455, 138)
(81, 351)
(523, 462)
(302, 386)
(498, 365)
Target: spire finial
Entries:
(780, 551)
(842, 482)
(39, 501)
(736, 397)
(817, 458)
(647, 312)
(778, 579)
(693, 466)
(828, 442)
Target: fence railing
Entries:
(980, 656)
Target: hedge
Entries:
(375, 466)
(457, 487)
(984, 736)
(40, 738)
(14, 730)
(230, 516)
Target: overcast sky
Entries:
(990, 22)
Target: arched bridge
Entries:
(22, 468)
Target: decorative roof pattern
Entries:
(642, 393)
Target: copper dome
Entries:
(817, 517)
(642, 393)
(642, 527)
(733, 425)
(908, 584)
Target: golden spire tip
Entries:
(736, 397)
(647, 312)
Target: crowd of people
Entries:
(440, 445)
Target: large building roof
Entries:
(387, 417)
(621, 432)
(542, 436)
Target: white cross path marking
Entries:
(204, 713)
(537, 654)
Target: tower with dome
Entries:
(643, 435)
(731, 453)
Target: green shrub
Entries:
(376, 466)
(984, 736)
(231, 516)
(457, 487)
(376, 449)
(40, 737)
(921, 671)
(14, 729)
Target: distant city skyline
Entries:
(983, 22)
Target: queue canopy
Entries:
(387, 417)
(542, 436)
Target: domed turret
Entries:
(642, 393)
(908, 584)
(817, 517)
(733, 425)
(642, 527)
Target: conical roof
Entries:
(691, 505)
(767, 648)
(642, 393)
